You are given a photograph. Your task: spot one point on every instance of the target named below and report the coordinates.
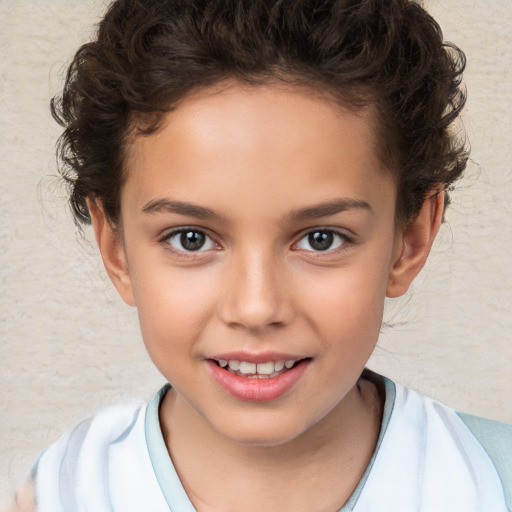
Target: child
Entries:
(260, 175)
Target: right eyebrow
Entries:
(179, 207)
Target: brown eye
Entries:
(190, 240)
(321, 240)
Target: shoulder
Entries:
(93, 434)
(477, 450)
(489, 432)
(75, 469)
(103, 463)
(432, 455)
(496, 439)
(464, 430)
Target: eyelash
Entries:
(342, 237)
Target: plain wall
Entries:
(68, 343)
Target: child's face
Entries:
(248, 176)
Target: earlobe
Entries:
(412, 247)
(112, 251)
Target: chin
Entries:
(262, 434)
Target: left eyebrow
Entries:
(179, 207)
(327, 209)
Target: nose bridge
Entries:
(255, 293)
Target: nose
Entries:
(256, 296)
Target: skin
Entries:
(24, 500)
(253, 156)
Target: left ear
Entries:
(413, 245)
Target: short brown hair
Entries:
(148, 54)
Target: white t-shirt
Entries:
(426, 459)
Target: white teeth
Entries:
(265, 368)
(278, 366)
(234, 365)
(246, 368)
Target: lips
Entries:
(257, 377)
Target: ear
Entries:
(112, 251)
(413, 245)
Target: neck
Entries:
(321, 467)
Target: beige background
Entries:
(68, 344)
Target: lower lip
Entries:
(255, 389)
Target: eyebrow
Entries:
(317, 211)
(327, 209)
(179, 207)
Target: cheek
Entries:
(173, 305)
(347, 303)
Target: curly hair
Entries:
(149, 54)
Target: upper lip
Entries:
(251, 357)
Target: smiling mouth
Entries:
(266, 370)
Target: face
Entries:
(258, 236)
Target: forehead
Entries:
(256, 140)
